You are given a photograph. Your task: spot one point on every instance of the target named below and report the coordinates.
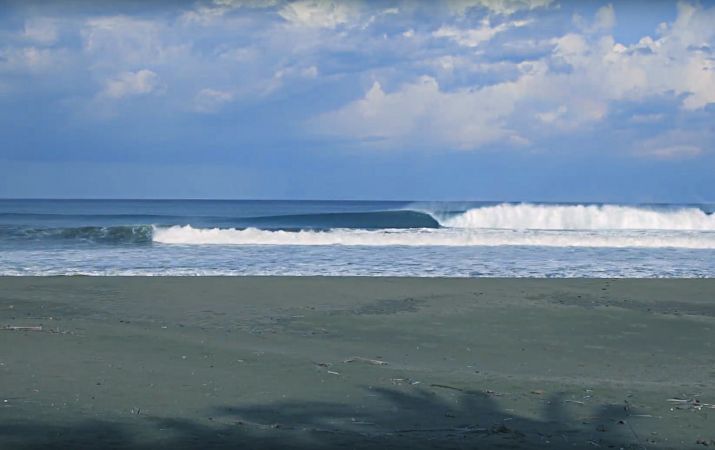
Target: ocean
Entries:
(361, 238)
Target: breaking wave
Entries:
(188, 235)
(495, 225)
(581, 217)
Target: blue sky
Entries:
(462, 99)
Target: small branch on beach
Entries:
(376, 362)
(442, 430)
(692, 404)
(444, 386)
(465, 391)
(16, 328)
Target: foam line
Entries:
(188, 235)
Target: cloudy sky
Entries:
(463, 99)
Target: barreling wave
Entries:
(527, 216)
(139, 234)
(369, 220)
(188, 235)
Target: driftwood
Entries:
(376, 362)
(690, 403)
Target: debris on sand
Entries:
(17, 328)
(692, 404)
(375, 362)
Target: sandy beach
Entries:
(310, 362)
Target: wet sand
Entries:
(356, 362)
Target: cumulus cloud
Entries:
(569, 89)
(467, 75)
(423, 112)
(127, 84)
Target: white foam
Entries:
(527, 216)
(188, 235)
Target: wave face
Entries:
(188, 235)
(581, 217)
(368, 220)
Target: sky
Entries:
(518, 100)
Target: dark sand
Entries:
(356, 362)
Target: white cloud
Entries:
(647, 118)
(552, 116)
(30, 59)
(600, 71)
(613, 71)
(211, 100)
(208, 12)
(123, 40)
(319, 13)
(472, 37)
(127, 84)
(605, 18)
(674, 144)
(505, 7)
(675, 151)
(240, 54)
(41, 30)
(421, 112)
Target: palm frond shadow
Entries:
(414, 418)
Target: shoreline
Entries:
(367, 362)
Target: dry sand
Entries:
(356, 362)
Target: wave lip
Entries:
(527, 216)
(188, 235)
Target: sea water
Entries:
(453, 239)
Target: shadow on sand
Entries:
(414, 418)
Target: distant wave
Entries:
(108, 235)
(580, 217)
(188, 235)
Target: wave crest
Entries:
(527, 216)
